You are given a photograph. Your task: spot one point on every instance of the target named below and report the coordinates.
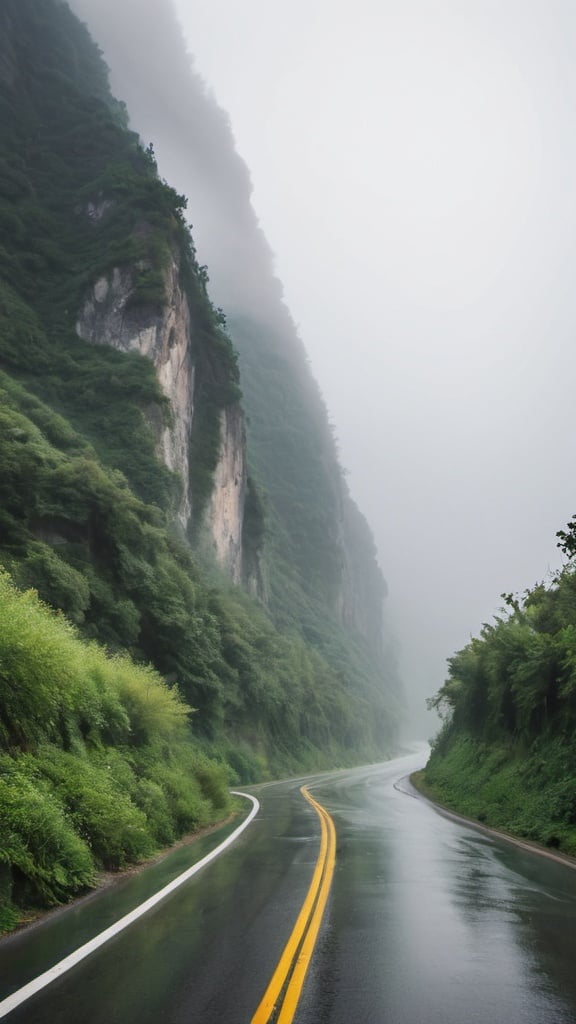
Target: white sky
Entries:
(414, 166)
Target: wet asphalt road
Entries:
(428, 921)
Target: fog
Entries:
(413, 168)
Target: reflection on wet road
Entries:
(428, 921)
(434, 922)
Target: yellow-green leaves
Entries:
(59, 688)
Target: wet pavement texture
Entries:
(428, 921)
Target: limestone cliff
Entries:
(110, 316)
(162, 335)
(225, 511)
(315, 568)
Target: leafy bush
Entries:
(102, 766)
(530, 794)
(46, 859)
(55, 687)
(102, 814)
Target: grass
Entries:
(529, 793)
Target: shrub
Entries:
(113, 828)
(46, 860)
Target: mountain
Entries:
(317, 534)
(169, 487)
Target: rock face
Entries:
(163, 336)
(166, 337)
(225, 512)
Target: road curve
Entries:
(22, 994)
(426, 921)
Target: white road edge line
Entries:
(24, 993)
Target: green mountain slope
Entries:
(315, 566)
(318, 557)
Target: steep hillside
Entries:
(97, 767)
(506, 754)
(123, 436)
(317, 565)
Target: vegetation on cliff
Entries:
(312, 557)
(506, 754)
(80, 196)
(318, 559)
(110, 631)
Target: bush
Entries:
(47, 861)
(56, 687)
(103, 815)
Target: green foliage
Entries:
(567, 539)
(61, 584)
(46, 859)
(518, 678)
(100, 811)
(57, 688)
(314, 537)
(506, 753)
(99, 765)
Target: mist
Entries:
(413, 170)
(170, 105)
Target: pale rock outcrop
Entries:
(225, 511)
(164, 337)
(98, 209)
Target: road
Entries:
(427, 921)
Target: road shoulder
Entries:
(415, 786)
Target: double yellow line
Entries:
(282, 995)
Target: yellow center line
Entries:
(296, 982)
(300, 946)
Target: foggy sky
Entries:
(170, 106)
(414, 169)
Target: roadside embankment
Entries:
(525, 796)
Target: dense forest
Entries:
(137, 681)
(506, 754)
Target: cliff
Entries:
(164, 333)
(363, 588)
(313, 524)
(225, 512)
(125, 472)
